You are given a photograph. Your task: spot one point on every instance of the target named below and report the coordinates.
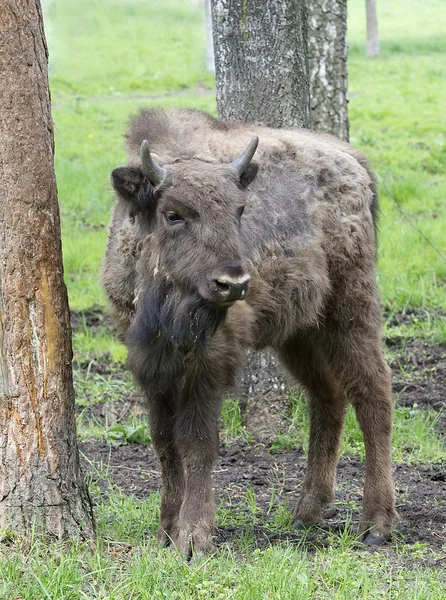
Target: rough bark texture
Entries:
(264, 395)
(41, 485)
(372, 29)
(327, 54)
(261, 61)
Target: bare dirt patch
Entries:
(419, 379)
(275, 481)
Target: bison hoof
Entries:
(165, 539)
(195, 546)
(193, 556)
(199, 557)
(301, 526)
(164, 542)
(373, 540)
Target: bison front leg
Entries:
(162, 409)
(196, 435)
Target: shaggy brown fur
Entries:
(307, 239)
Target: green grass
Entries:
(232, 421)
(115, 47)
(415, 440)
(97, 346)
(125, 563)
(397, 117)
(429, 325)
(118, 421)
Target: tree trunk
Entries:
(262, 75)
(261, 56)
(41, 484)
(261, 61)
(327, 53)
(372, 28)
(210, 60)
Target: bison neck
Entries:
(168, 326)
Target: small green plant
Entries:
(120, 433)
(133, 431)
(233, 427)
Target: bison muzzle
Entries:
(226, 237)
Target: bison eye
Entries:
(240, 211)
(173, 217)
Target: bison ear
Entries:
(127, 181)
(248, 174)
(131, 185)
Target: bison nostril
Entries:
(221, 287)
(230, 290)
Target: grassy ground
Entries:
(135, 569)
(398, 118)
(108, 58)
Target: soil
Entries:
(275, 480)
(419, 380)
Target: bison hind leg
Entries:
(367, 381)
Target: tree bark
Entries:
(262, 75)
(41, 484)
(327, 53)
(261, 61)
(261, 55)
(372, 48)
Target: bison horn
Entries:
(154, 173)
(240, 163)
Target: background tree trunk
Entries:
(262, 75)
(41, 485)
(210, 60)
(261, 55)
(261, 61)
(327, 53)
(372, 48)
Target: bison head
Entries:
(192, 210)
(192, 266)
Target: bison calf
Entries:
(211, 252)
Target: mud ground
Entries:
(275, 481)
(419, 379)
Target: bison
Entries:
(211, 252)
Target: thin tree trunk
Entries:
(41, 484)
(261, 61)
(261, 55)
(372, 29)
(210, 60)
(327, 53)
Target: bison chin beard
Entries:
(168, 324)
